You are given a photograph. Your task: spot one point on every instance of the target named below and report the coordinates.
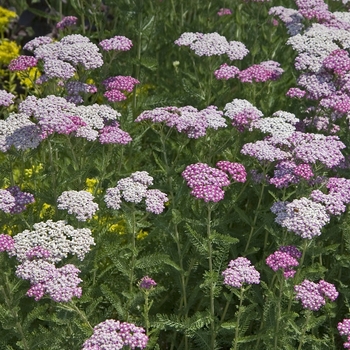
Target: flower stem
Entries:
(277, 335)
(212, 284)
(255, 218)
(303, 332)
(239, 313)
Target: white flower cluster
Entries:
(58, 238)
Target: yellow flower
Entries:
(27, 77)
(8, 51)
(47, 211)
(91, 184)
(35, 169)
(142, 235)
(8, 230)
(119, 228)
(5, 17)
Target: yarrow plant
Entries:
(248, 159)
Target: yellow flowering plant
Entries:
(5, 18)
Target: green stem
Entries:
(139, 47)
(255, 218)
(239, 314)
(212, 284)
(277, 335)
(228, 302)
(146, 309)
(303, 332)
(81, 314)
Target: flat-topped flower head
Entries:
(311, 148)
(116, 335)
(155, 200)
(235, 170)
(7, 201)
(206, 182)
(226, 72)
(265, 150)
(22, 63)
(117, 43)
(58, 238)
(22, 199)
(302, 216)
(188, 120)
(264, 71)
(212, 44)
(344, 329)
(284, 258)
(36, 42)
(242, 113)
(134, 189)
(120, 82)
(224, 12)
(338, 61)
(68, 21)
(114, 134)
(61, 284)
(78, 203)
(6, 98)
(6, 243)
(239, 272)
(58, 69)
(290, 17)
(312, 295)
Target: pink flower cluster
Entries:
(22, 63)
(344, 329)
(207, 183)
(224, 12)
(147, 283)
(312, 295)
(117, 43)
(115, 86)
(6, 98)
(240, 271)
(38, 251)
(186, 119)
(68, 21)
(284, 258)
(116, 335)
(14, 201)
